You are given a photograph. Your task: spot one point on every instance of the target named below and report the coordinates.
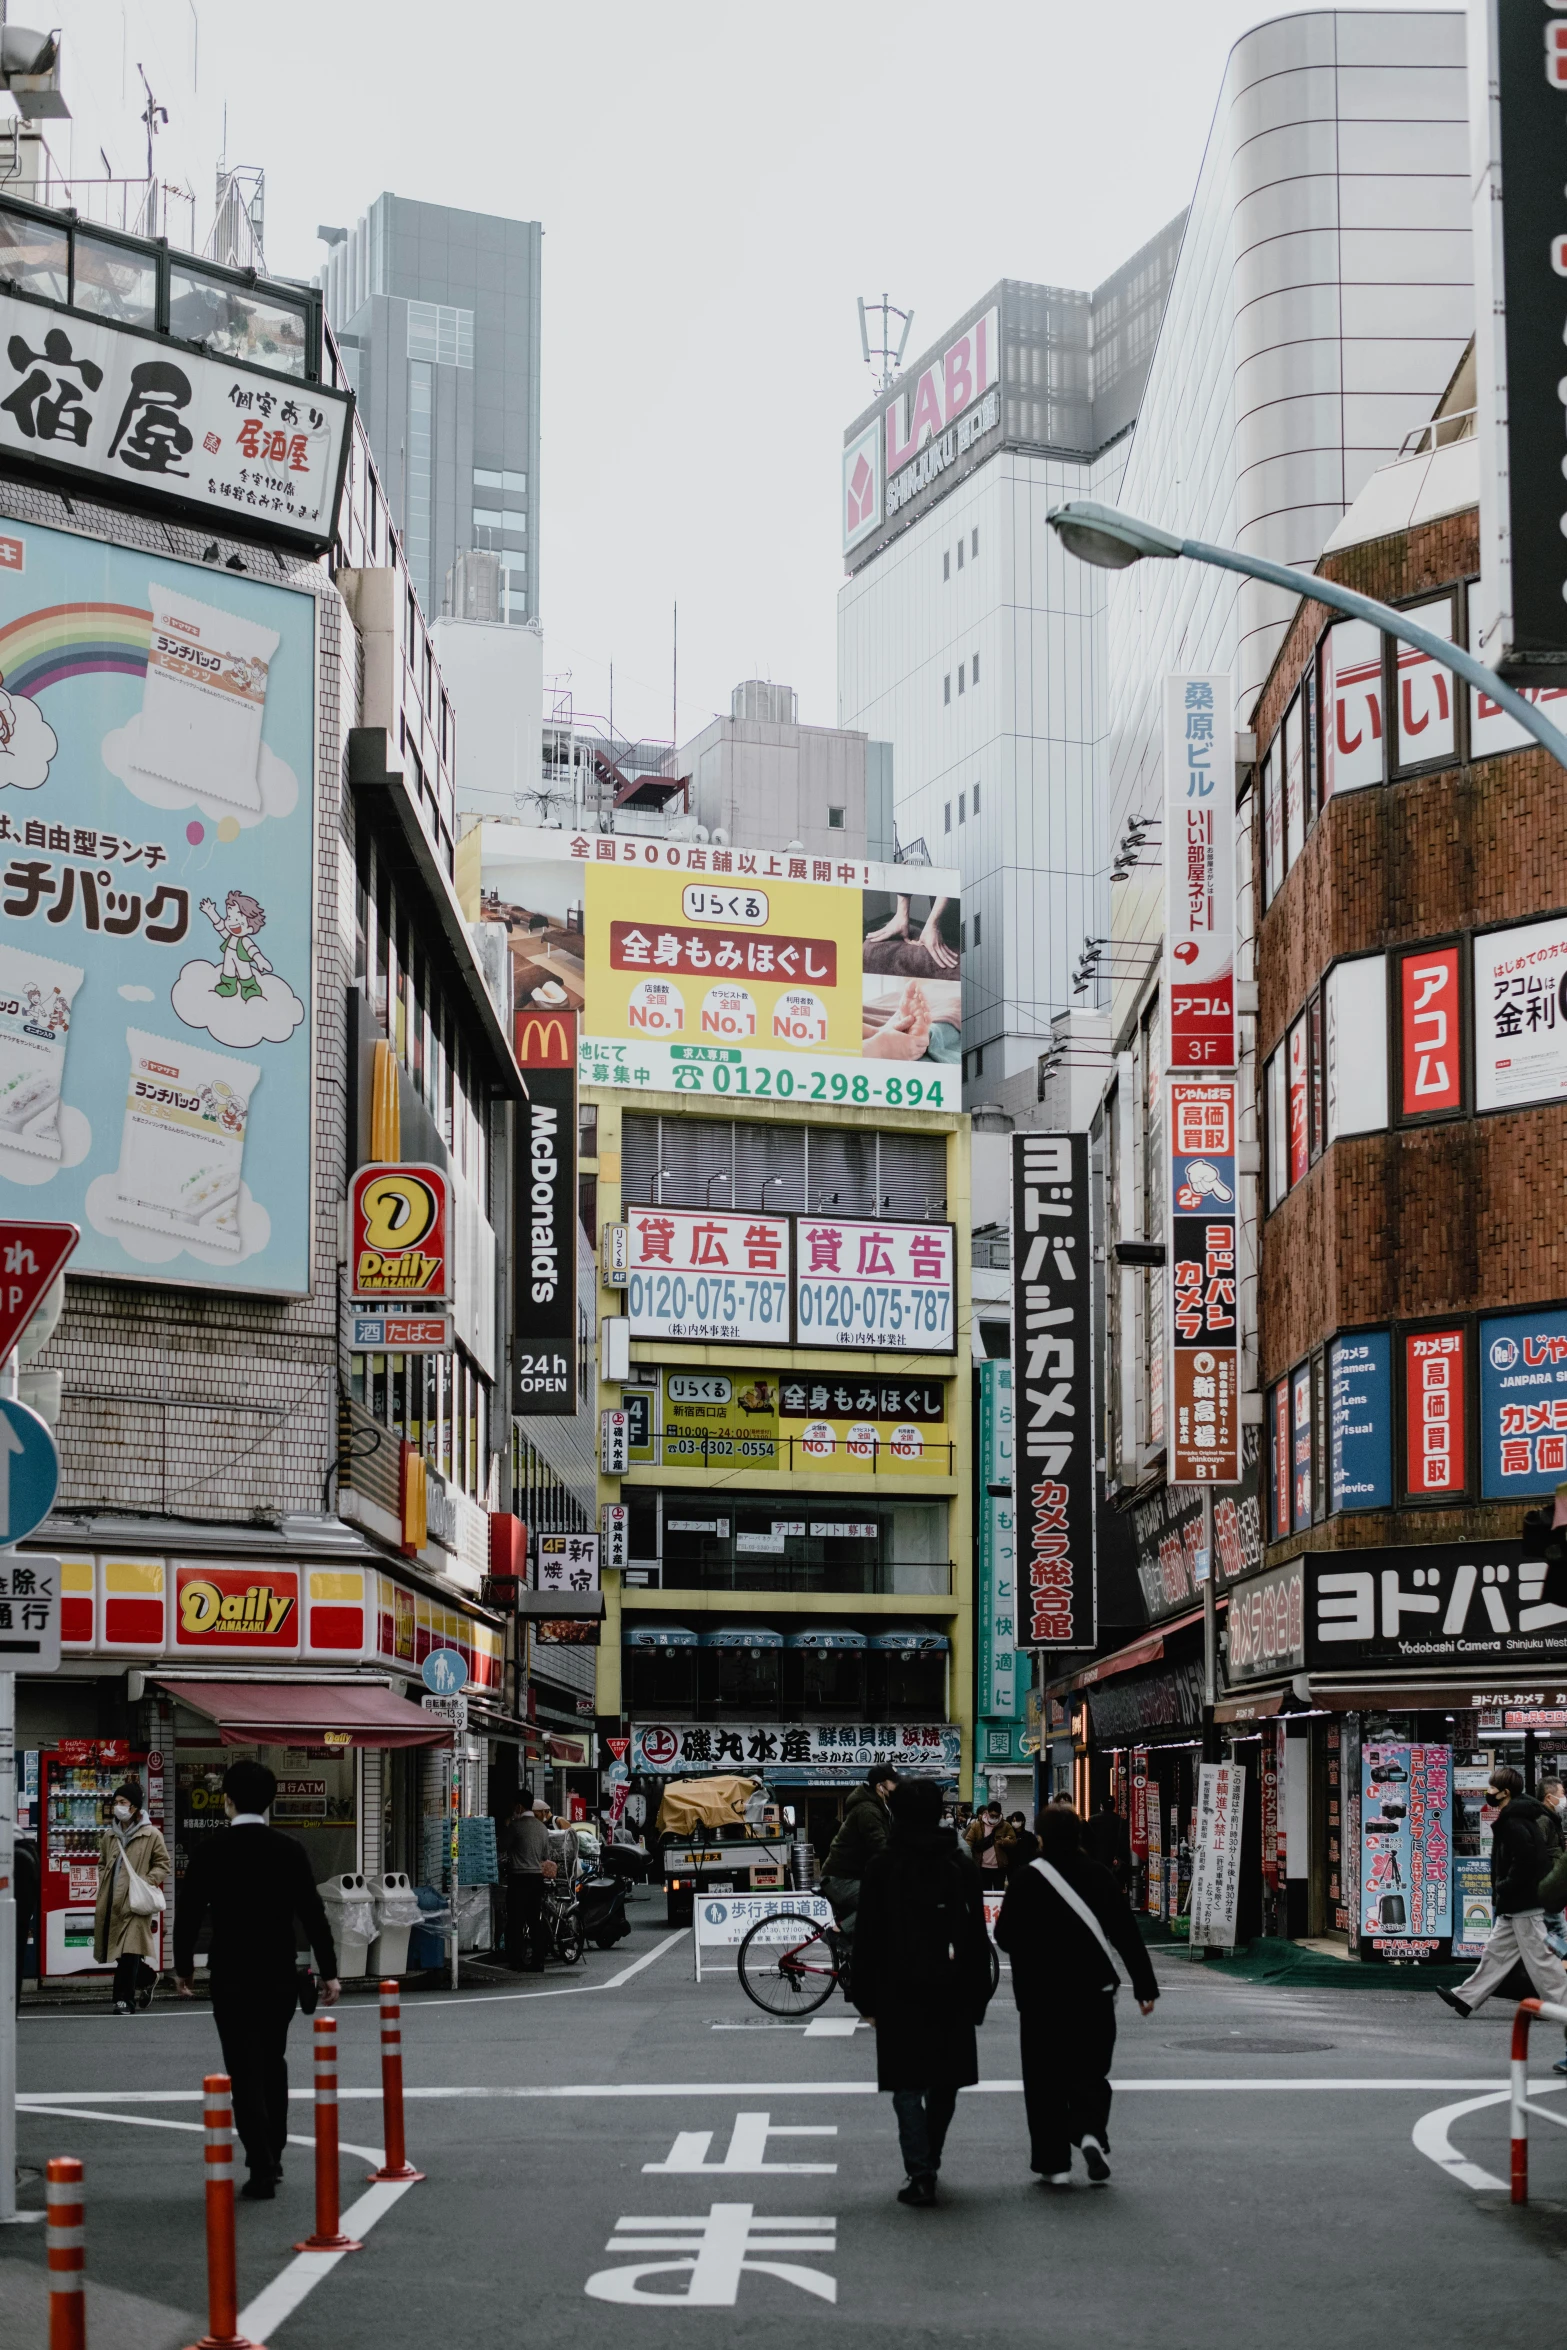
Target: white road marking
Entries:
(1431, 2139)
(720, 2241)
(833, 2027)
(1217, 2085)
(282, 2297)
(747, 2148)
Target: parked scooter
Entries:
(601, 1911)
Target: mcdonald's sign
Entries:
(544, 1039)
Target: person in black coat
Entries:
(254, 1882)
(1064, 1979)
(921, 1975)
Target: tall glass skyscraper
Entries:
(437, 312)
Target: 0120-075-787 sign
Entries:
(711, 1278)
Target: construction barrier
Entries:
(67, 2238)
(1521, 2107)
(222, 2275)
(328, 2236)
(394, 2159)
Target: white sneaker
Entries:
(1097, 2163)
(1056, 2178)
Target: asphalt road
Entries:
(1268, 2183)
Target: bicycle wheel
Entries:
(787, 1964)
(569, 1944)
(995, 1969)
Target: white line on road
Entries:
(282, 2297)
(1430, 2135)
(833, 2027)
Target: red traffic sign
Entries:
(31, 1258)
(617, 1747)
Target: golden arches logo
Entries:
(399, 1210)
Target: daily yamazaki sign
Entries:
(397, 1234)
(236, 1607)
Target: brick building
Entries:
(1402, 1632)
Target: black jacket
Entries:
(1055, 1957)
(921, 1961)
(1525, 1840)
(255, 1883)
(862, 1831)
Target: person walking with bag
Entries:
(1064, 1923)
(1527, 1879)
(921, 1975)
(133, 1868)
(255, 1882)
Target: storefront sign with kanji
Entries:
(1201, 1311)
(1053, 1391)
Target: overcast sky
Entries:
(718, 180)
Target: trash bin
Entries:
(350, 1912)
(397, 1912)
(427, 1942)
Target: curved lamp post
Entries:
(1103, 536)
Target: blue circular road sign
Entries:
(29, 1470)
(444, 1671)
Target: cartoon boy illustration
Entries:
(244, 964)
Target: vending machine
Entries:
(76, 1783)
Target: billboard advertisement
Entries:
(702, 1277)
(1436, 1413)
(770, 1420)
(1432, 1077)
(157, 765)
(809, 1281)
(1199, 868)
(1520, 1015)
(1406, 1843)
(704, 969)
(1523, 1404)
(1360, 1421)
(1203, 1322)
(1053, 1390)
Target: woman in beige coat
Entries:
(120, 1934)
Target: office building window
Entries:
(976, 799)
(835, 819)
(946, 687)
(946, 563)
(962, 807)
(960, 554)
(420, 421)
(439, 333)
(974, 549)
(979, 1060)
(511, 484)
(976, 930)
(946, 817)
(974, 668)
(960, 677)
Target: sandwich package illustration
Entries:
(36, 995)
(204, 699)
(182, 1149)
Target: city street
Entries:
(1269, 2145)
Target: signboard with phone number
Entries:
(759, 1076)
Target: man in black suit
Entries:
(255, 1883)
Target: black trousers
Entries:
(131, 1974)
(1066, 2077)
(524, 1921)
(253, 2021)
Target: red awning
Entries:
(301, 1713)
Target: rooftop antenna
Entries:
(152, 114)
(884, 361)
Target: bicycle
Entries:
(803, 1961)
(561, 1921)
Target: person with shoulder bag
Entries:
(1064, 1924)
(133, 1868)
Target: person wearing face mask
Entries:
(122, 1937)
(254, 1882)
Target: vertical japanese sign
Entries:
(1199, 872)
(1406, 1832)
(1216, 1855)
(1052, 1384)
(1138, 1822)
(1000, 1691)
(1431, 1071)
(1205, 1432)
(1268, 1788)
(1435, 1413)
(545, 1250)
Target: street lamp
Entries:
(1113, 541)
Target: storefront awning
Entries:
(911, 1640)
(309, 1713)
(1123, 1660)
(740, 1636)
(1249, 1709)
(658, 1636)
(825, 1636)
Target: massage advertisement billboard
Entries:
(697, 968)
(156, 820)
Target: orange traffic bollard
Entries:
(222, 2275)
(67, 2254)
(394, 2158)
(328, 2236)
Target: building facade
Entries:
(436, 311)
(760, 776)
(969, 643)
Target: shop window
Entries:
(1354, 729)
(1355, 1041)
(1290, 757)
(1430, 1033)
(1425, 708)
(824, 1684)
(903, 1685)
(1314, 1119)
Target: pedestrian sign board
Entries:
(722, 1921)
(444, 1672)
(29, 1613)
(29, 1470)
